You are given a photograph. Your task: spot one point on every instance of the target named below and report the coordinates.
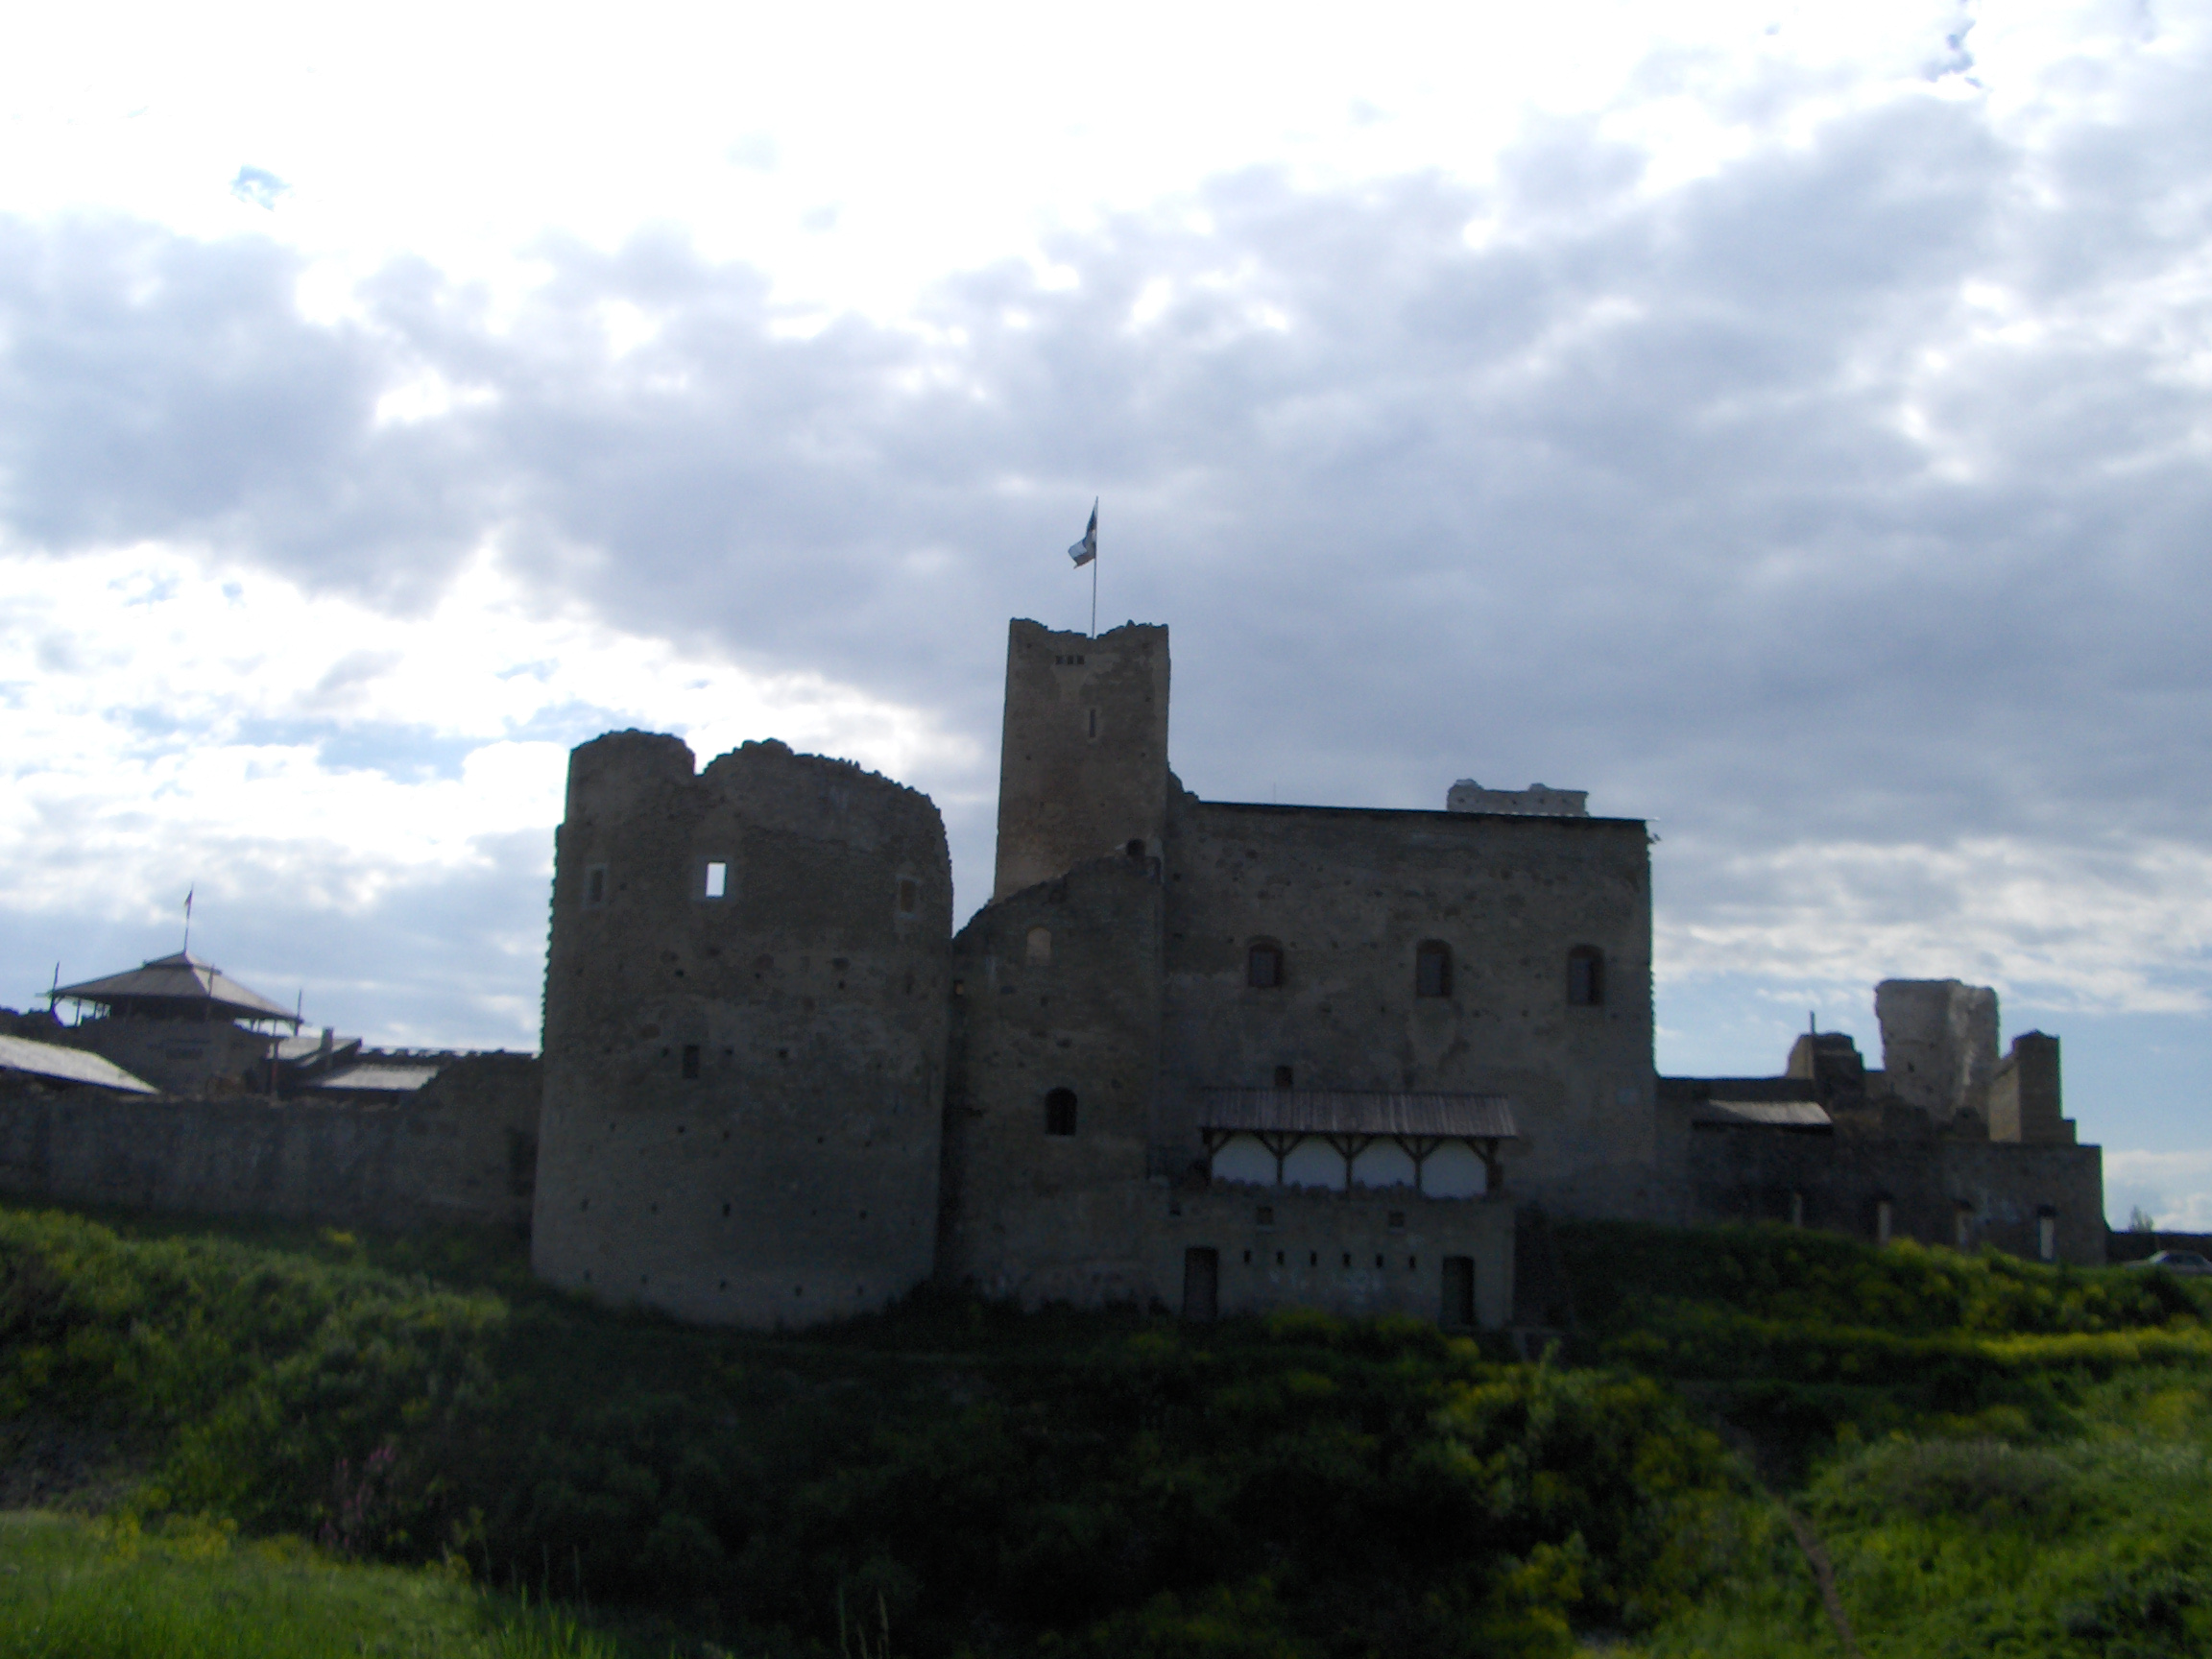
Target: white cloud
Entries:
(2092, 922)
(173, 721)
(2174, 1188)
(1786, 420)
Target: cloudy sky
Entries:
(1791, 423)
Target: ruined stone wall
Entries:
(1058, 988)
(1835, 1181)
(1348, 896)
(1938, 1044)
(2025, 1102)
(461, 1149)
(1356, 1256)
(742, 1093)
(1083, 758)
(178, 1056)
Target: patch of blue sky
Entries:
(406, 752)
(571, 723)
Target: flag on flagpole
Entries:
(1086, 549)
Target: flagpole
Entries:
(1093, 595)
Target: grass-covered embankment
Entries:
(1994, 1455)
(72, 1589)
(990, 1482)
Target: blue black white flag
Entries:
(1086, 549)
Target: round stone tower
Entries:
(745, 1025)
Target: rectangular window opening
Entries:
(690, 1058)
(1201, 1283)
(596, 884)
(1458, 1310)
(717, 880)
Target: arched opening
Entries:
(1585, 976)
(1433, 968)
(1264, 965)
(1060, 1112)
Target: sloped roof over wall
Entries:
(379, 1079)
(67, 1065)
(179, 984)
(1344, 1112)
(1761, 1114)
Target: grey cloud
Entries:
(1725, 502)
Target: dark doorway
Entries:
(1433, 968)
(1458, 1292)
(1201, 1284)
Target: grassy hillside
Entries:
(73, 1590)
(1987, 1453)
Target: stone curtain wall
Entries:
(462, 1149)
(744, 1089)
(1749, 1174)
(1348, 896)
(1358, 1257)
(1059, 989)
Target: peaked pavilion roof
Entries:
(170, 986)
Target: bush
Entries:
(1373, 1485)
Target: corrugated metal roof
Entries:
(179, 980)
(290, 1049)
(70, 1064)
(1344, 1112)
(1763, 1114)
(379, 1079)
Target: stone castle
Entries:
(1215, 1056)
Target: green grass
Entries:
(1996, 1456)
(70, 1589)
